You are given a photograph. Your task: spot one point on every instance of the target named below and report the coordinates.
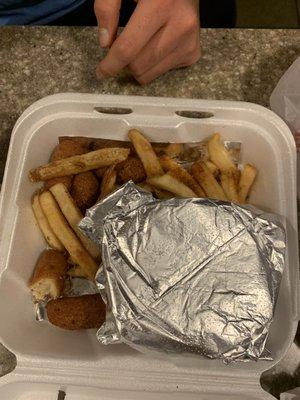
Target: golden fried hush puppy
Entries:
(72, 313)
(131, 169)
(48, 279)
(85, 190)
(68, 148)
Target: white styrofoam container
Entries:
(50, 358)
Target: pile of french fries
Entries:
(155, 168)
(216, 177)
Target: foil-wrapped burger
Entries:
(187, 275)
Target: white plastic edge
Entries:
(63, 379)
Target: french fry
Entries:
(145, 186)
(173, 149)
(237, 176)
(219, 155)
(146, 153)
(66, 235)
(108, 182)
(212, 167)
(229, 186)
(163, 194)
(170, 184)
(44, 226)
(160, 193)
(178, 172)
(81, 163)
(247, 179)
(205, 178)
(76, 272)
(73, 215)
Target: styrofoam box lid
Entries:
(50, 358)
(41, 391)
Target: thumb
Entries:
(107, 14)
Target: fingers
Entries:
(167, 48)
(142, 25)
(164, 42)
(160, 45)
(169, 62)
(159, 36)
(107, 14)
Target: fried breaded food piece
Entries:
(131, 169)
(73, 313)
(97, 143)
(108, 182)
(48, 279)
(66, 180)
(68, 148)
(85, 141)
(65, 149)
(85, 190)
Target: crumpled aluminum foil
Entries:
(187, 275)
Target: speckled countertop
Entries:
(38, 61)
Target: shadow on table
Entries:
(280, 383)
(8, 361)
(6, 125)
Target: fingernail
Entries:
(103, 37)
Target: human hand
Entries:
(160, 35)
